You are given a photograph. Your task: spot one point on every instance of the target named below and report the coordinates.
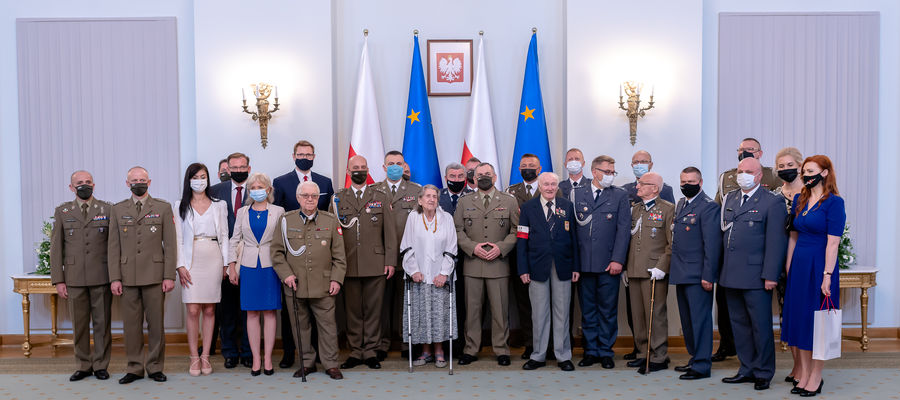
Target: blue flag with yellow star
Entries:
(419, 149)
(531, 131)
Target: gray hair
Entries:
(421, 194)
(545, 175)
(259, 177)
(453, 166)
(307, 183)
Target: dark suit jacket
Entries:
(286, 190)
(542, 243)
(222, 191)
(446, 202)
(696, 242)
(755, 240)
(604, 227)
(666, 193)
(565, 187)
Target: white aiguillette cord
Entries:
(287, 244)
(637, 226)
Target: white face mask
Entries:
(198, 185)
(745, 181)
(607, 181)
(574, 167)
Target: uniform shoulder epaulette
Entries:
(158, 200)
(727, 171)
(414, 184)
(123, 201)
(664, 201)
(466, 194)
(292, 212)
(508, 194)
(327, 214)
(376, 185)
(729, 192)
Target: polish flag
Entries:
(365, 138)
(480, 141)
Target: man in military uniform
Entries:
(641, 163)
(78, 269)
(308, 256)
(696, 246)
(455, 175)
(371, 248)
(755, 247)
(486, 223)
(648, 264)
(603, 215)
(142, 258)
(471, 163)
(727, 182)
(575, 168)
(402, 198)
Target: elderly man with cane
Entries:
(308, 255)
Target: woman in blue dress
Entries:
(812, 275)
(254, 227)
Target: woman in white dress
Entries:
(429, 242)
(201, 229)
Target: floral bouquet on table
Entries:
(43, 251)
(846, 256)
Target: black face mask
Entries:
(529, 174)
(745, 154)
(788, 175)
(456, 186)
(224, 177)
(405, 177)
(359, 177)
(139, 189)
(485, 183)
(84, 192)
(303, 164)
(690, 190)
(470, 176)
(239, 177)
(811, 181)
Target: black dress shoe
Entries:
(566, 365)
(683, 368)
(653, 367)
(809, 393)
(789, 379)
(79, 375)
(637, 362)
(269, 371)
(722, 355)
(467, 359)
(255, 372)
(588, 360)
(247, 362)
(738, 379)
(381, 355)
(158, 377)
(761, 384)
(128, 378)
(527, 353)
(373, 363)
(797, 390)
(607, 363)
(351, 362)
(503, 361)
(231, 362)
(287, 360)
(630, 356)
(533, 365)
(101, 374)
(692, 375)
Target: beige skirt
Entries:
(206, 274)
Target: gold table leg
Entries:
(26, 314)
(54, 298)
(864, 308)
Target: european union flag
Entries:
(419, 149)
(531, 131)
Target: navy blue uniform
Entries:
(666, 193)
(565, 187)
(755, 248)
(448, 203)
(603, 234)
(696, 246)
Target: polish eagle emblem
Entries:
(450, 68)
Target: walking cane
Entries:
(297, 335)
(650, 329)
(407, 283)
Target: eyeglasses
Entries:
(607, 172)
(308, 196)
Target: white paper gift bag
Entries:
(827, 332)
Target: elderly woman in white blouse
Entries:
(429, 245)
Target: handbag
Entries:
(827, 331)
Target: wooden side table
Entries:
(37, 284)
(862, 278)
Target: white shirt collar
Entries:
(300, 175)
(750, 193)
(594, 187)
(545, 201)
(362, 190)
(235, 185)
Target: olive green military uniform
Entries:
(78, 246)
(728, 182)
(370, 242)
(402, 200)
(142, 253)
(311, 249)
(494, 223)
(650, 247)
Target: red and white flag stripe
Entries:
(365, 138)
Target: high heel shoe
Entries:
(789, 379)
(255, 372)
(194, 369)
(205, 366)
(269, 371)
(807, 393)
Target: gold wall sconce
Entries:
(262, 91)
(634, 110)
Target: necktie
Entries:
(305, 178)
(746, 197)
(84, 208)
(549, 210)
(138, 205)
(574, 184)
(453, 200)
(238, 199)
(597, 195)
(393, 190)
(487, 201)
(529, 189)
(359, 195)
